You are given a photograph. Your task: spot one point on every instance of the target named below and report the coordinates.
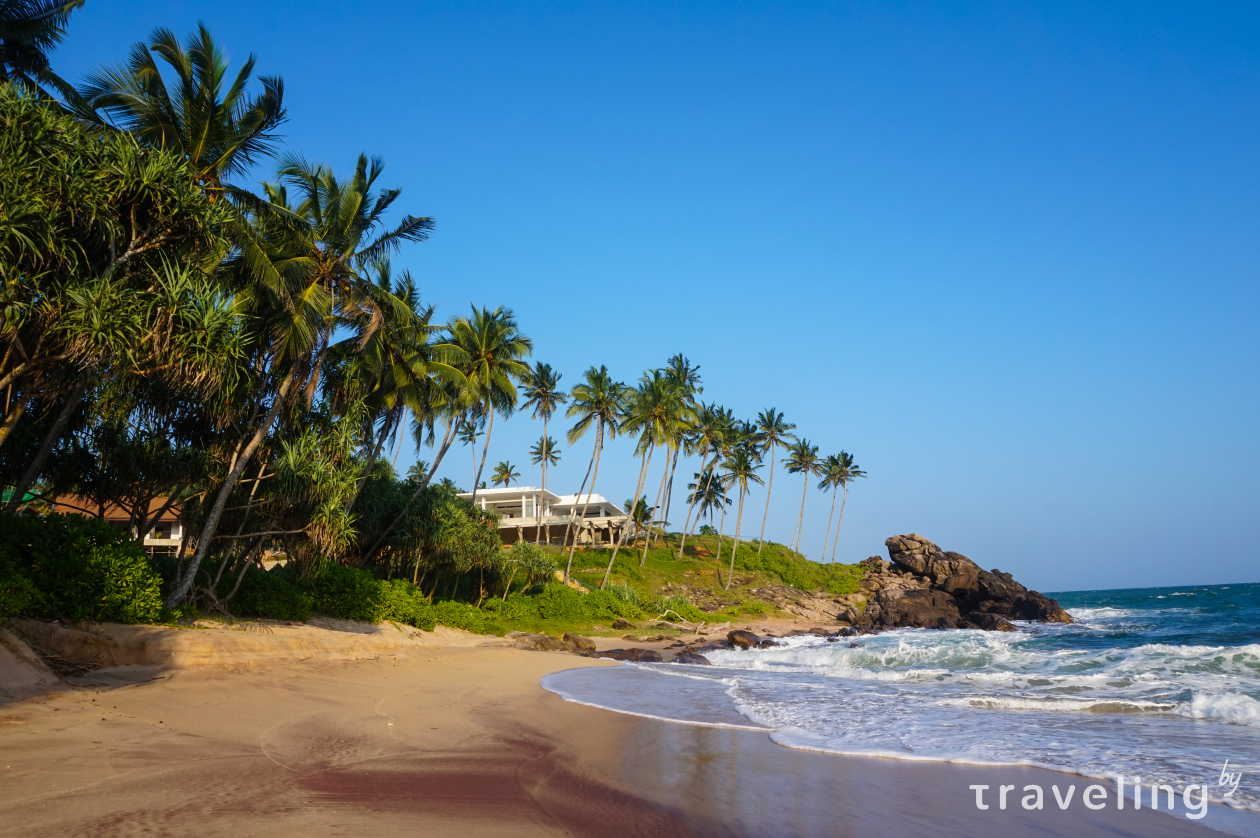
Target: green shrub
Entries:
(624, 592)
(403, 602)
(680, 605)
(279, 593)
(77, 568)
(348, 593)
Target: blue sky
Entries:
(1004, 254)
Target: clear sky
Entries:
(1004, 254)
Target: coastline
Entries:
(455, 739)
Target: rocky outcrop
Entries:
(929, 587)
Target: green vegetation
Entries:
(244, 354)
(67, 566)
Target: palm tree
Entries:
(838, 471)
(505, 473)
(741, 470)
(541, 388)
(319, 294)
(687, 379)
(29, 30)
(598, 402)
(802, 459)
(772, 433)
(706, 494)
(468, 433)
(544, 451)
(495, 349)
(649, 407)
(713, 425)
(640, 515)
(215, 124)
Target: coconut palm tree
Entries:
(212, 121)
(29, 30)
(741, 470)
(469, 432)
(495, 349)
(649, 410)
(772, 433)
(687, 378)
(802, 459)
(707, 495)
(838, 472)
(713, 426)
(598, 402)
(640, 515)
(544, 451)
(505, 473)
(541, 388)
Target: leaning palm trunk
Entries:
(41, 456)
(185, 583)
(761, 540)
(593, 471)
(721, 526)
(485, 449)
(839, 521)
(800, 520)
(647, 541)
(692, 506)
(739, 519)
(669, 493)
(621, 539)
(830, 517)
(542, 500)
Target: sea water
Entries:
(1157, 683)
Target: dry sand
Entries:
(442, 737)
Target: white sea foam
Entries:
(1137, 691)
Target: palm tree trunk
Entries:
(839, 522)
(721, 526)
(41, 456)
(15, 413)
(599, 447)
(800, 520)
(647, 461)
(739, 519)
(761, 541)
(659, 492)
(220, 502)
(367, 468)
(537, 509)
(704, 453)
(827, 540)
(485, 449)
(669, 492)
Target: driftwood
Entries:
(684, 624)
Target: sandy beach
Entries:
(447, 737)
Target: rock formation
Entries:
(927, 587)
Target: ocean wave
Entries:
(1061, 704)
(1232, 708)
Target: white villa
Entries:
(524, 510)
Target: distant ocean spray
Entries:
(1158, 683)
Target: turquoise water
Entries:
(1157, 683)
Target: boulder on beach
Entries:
(743, 639)
(928, 587)
(632, 655)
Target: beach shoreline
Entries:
(454, 738)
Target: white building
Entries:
(524, 511)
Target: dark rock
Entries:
(796, 632)
(987, 622)
(621, 624)
(768, 644)
(743, 639)
(821, 632)
(716, 646)
(692, 658)
(954, 589)
(833, 639)
(579, 642)
(539, 642)
(633, 655)
(945, 623)
(855, 645)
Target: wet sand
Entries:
(456, 741)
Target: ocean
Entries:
(1157, 683)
